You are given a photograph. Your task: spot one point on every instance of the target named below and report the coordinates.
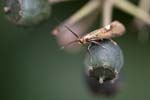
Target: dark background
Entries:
(32, 66)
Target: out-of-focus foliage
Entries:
(27, 12)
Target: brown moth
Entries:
(114, 29)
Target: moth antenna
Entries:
(75, 34)
(69, 43)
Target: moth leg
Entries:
(115, 43)
(88, 49)
(97, 43)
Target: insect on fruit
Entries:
(114, 29)
(104, 64)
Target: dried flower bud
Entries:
(26, 12)
(107, 88)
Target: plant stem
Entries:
(133, 10)
(91, 6)
(107, 12)
(143, 34)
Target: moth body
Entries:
(114, 29)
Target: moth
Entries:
(114, 29)
(103, 65)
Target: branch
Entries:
(91, 6)
(133, 10)
(107, 12)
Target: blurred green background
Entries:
(34, 68)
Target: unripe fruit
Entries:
(26, 12)
(105, 61)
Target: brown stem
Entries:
(130, 8)
(143, 34)
(107, 12)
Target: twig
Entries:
(85, 11)
(144, 5)
(143, 34)
(107, 11)
(133, 10)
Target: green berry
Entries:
(27, 12)
(104, 61)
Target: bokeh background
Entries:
(32, 66)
